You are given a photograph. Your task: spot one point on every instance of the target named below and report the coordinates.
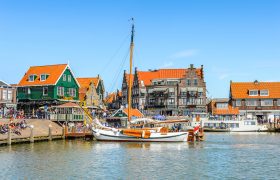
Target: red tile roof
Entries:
(85, 82)
(127, 78)
(148, 76)
(227, 111)
(84, 85)
(110, 98)
(54, 72)
(240, 90)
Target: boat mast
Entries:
(130, 70)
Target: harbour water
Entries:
(221, 156)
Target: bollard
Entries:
(9, 140)
(63, 132)
(31, 134)
(50, 132)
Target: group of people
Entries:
(15, 127)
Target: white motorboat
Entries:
(233, 126)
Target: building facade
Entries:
(221, 109)
(88, 92)
(7, 99)
(45, 86)
(256, 100)
(124, 89)
(169, 91)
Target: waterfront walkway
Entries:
(40, 129)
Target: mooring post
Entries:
(31, 134)
(50, 132)
(63, 131)
(9, 140)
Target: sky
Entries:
(236, 40)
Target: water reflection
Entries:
(221, 156)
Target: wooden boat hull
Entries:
(105, 135)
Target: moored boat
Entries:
(159, 134)
(233, 126)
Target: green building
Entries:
(44, 86)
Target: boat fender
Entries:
(143, 134)
(97, 133)
(114, 131)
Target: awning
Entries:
(183, 89)
(192, 88)
(143, 91)
(200, 89)
(160, 89)
(171, 89)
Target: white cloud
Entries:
(167, 64)
(185, 54)
(223, 76)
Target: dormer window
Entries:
(264, 92)
(43, 77)
(253, 93)
(31, 78)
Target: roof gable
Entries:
(54, 73)
(2, 83)
(239, 90)
(148, 76)
(85, 82)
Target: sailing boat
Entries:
(159, 134)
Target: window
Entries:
(152, 100)
(72, 92)
(188, 82)
(253, 92)
(251, 103)
(60, 91)
(64, 77)
(43, 77)
(195, 82)
(278, 102)
(192, 93)
(45, 91)
(264, 92)
(200, 94)
(200, 101)
(222, 105)
(267, 102)
(69, 78)
(31, 78)
(171, 101)
(238, 103)
(171, 93)
(10, 94)
(28, 91)
(191, 101)
(4, 94)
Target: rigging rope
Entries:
(112, 57)
(115, 79)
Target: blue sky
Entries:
(235, 40)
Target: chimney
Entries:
(202, 73)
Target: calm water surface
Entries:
(221, 156)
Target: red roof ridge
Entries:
(49, 65)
